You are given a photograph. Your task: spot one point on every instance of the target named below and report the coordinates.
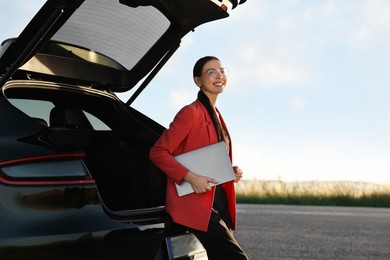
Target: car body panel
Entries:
(75, 176)
(67, 222)
(56, 214)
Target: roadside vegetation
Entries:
(313, 193)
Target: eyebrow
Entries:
(221, 68)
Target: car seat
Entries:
(67, 117)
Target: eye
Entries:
(212, 72)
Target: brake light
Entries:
(42, 158)
(54, 169)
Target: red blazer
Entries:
(191, 128)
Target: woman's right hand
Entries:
(199, 183)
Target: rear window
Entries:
(104, 27)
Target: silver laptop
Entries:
(212, 161)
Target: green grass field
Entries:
(313, 193)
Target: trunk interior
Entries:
(119, 162)
(117, 158)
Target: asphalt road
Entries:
(311, 232)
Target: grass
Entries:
(313, 193)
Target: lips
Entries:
(219, 84)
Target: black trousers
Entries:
(219, 241)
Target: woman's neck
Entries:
(212, 98)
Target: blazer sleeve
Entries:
(163, 151)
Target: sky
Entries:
(308, 96)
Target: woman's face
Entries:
(213, 79)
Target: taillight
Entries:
(54, 169)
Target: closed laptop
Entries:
(211, 161)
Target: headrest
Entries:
(66, 117)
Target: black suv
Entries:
(75, 177)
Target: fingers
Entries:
(201, 184)
(212, 180)
(238, 173)
(201, 190)
(237, 170)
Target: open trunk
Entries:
(128, 183)
(114, 138)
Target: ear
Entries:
(197, 81)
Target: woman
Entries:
(210, 212)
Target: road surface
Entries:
(311, 232)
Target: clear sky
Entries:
(308, 97)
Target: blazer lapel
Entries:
(227, 132)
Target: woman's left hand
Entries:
(238, 173)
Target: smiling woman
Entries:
(210, 210)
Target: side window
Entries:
(40, 109)
(34, 108)
(96, 123)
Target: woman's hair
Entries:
(197, 71)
